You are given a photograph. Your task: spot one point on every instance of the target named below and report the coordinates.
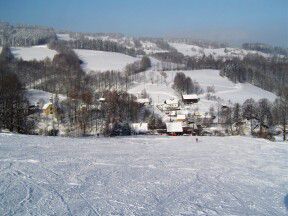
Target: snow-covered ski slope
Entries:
(193, 50)
(33, 53)
(99, 61)
(142, 176)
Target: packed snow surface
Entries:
(33, 53)
(142, 176)
(99, 61)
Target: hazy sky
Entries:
(233, 21)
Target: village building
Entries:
(174, 128)
(190, 99)
(144, 101)
(181, 118)
(140, 128)
(171, 104)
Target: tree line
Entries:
(95, 44)
(267, 73)
(262, 115)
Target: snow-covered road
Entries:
(150, 175)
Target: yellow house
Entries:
(49, 109)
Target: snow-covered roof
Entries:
(140, 127)
(171, 101)
(143, 100)
(181, 117)
(47, 105)
(174, 127)
(190, 97)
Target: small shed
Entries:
(190, 98)
(49, 109)
(174, 128)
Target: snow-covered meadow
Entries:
(229, 52)
(149, 175)
(99, 61)
(37, 53)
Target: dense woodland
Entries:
(25, 35)
(267, 73)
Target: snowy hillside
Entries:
(150, 47)
(193, 50)
(35, 95)
(160, 89)
(142, 176)
(33, 53)
(102, 61)
(224, 88)
(65, 37)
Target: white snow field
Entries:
(149, 175)
(99, 61)
(33, 53)
(193, 50)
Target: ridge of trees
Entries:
(274, 50)
(95, 44)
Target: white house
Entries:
(171, 104)
(174, 128)
(144, 101)
(140, 128)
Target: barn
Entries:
(190, 98)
